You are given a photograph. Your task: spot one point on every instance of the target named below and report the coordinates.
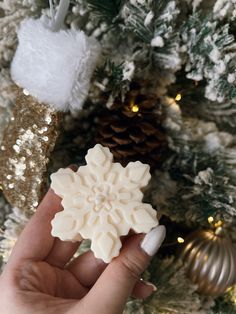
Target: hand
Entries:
(41, 278)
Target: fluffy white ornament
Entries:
(55, 67)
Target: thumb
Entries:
(116, 283)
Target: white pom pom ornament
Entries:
(54, 66)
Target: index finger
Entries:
(36, 241)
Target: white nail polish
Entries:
(153, 240)
(148, 283)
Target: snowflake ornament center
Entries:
(102, 201)
(102, 198)
(99, 199)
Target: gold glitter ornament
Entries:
(210, 260)
(58, 76)
(24, 152)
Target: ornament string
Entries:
(57, 18)
(52, 10)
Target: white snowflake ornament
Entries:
(102, 201)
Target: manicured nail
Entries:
(150, 284)
(153, 240)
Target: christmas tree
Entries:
(163, 91)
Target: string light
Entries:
(218, 224)
(210, 219)
(135, 108)
(178, 97)
(180, 240)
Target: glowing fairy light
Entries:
(210, 219)
(180, 240)
(135, 108)
(178, 97)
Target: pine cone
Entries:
(133, 130)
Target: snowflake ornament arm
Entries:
(102, 201)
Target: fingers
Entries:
(119, 278)
(67, 286)
(143, 289)
(35, 241)
(61, 253)
(86, 268)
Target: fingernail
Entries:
(150, 284)
(153, 240)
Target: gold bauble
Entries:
(210, 260)
(25, 150)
